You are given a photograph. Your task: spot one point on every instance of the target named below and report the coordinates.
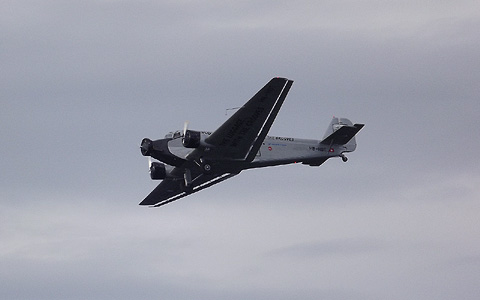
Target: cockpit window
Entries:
(174, 135)
(177, 134)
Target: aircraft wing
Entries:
(241, 136)
(170, 190)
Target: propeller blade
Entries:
(149, 163)
(185, 127)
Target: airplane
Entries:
(194, 160)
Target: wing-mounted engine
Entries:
(195, 139)
(192, 139)
(158, 171)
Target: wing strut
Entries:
(268, 123)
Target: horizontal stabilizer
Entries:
(343, 135)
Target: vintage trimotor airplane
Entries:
(195, 160)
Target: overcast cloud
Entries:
(81, 83)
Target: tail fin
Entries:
(341, 131)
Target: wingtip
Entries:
(145, 203)
(282, 78)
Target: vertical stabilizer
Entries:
(341, 131)
(336, 124)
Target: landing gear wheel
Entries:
(344, 158)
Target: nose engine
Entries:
(146, 147)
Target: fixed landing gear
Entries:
(344, 158)
(187, 183)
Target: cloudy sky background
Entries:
(81, 83)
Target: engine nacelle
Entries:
(158, 171)
(191, 139)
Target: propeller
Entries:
(185, 127)
(149, 164)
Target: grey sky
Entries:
(82, 84)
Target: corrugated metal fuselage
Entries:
(273, 151)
